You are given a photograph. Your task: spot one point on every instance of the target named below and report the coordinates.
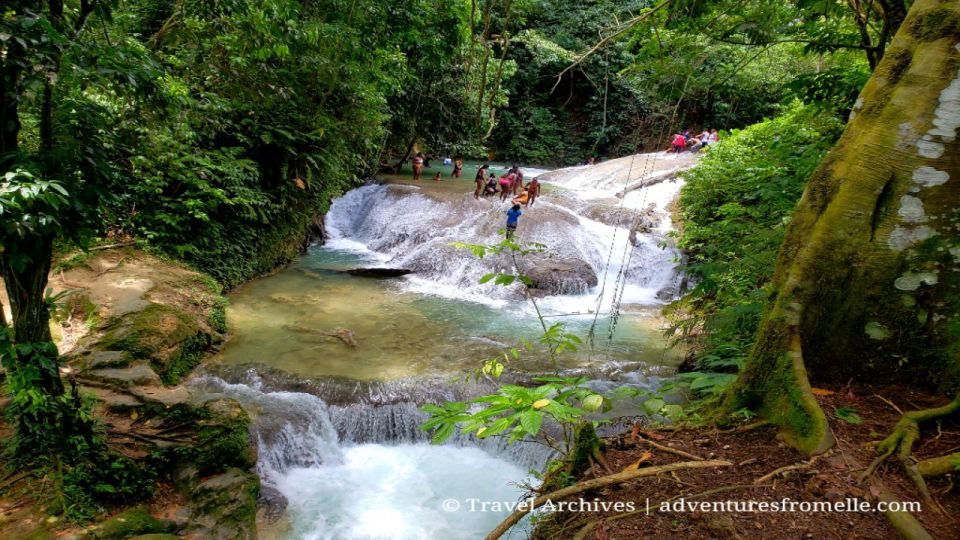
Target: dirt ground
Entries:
(754, 454)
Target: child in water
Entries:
(436, 178)
(513, 217)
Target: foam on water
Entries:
(399, 492)
(367, 472)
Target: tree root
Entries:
(587, 485)
(901, 440)
(938, 466)
(905, 523)
(795, 467)
(668, 450)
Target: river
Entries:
(332, 367)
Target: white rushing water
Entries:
(577, 217)
(361, 471)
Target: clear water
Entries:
(344, 479)
(285, 320)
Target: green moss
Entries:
(230, 499)
(130, 523)
(188, 356)
(934, 24)
(895, 64)
(170, 339)
(218, 315)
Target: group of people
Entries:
(421, 161)
(694, 143)
(509, 184)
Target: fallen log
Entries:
(646, 182)
(379, 272)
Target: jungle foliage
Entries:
(735, 208)
(664, 67)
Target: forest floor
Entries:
(754, 455)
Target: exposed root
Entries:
(587, 485)
(795, 467)
(901, 440)
(905, 523)
(669, 450)
(938, 466)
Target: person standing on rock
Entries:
(533, 189)
(506, 185)
(513, 218)
(517, 180)
(417, 165)
(480, 180)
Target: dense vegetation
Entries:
(658, 79)
(218, 131)
(734, 210)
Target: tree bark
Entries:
(25, 278)
(867, 279)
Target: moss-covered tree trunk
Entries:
(866, 281)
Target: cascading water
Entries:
(408, 227)
(337, 421)
(366, 470)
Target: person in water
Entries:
(417, 165)
(513, 218)
(533, 189)
(437, 178)
(480, 180)
(491, 188)
(457, 169)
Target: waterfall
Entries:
(300, 429)
(592, 237)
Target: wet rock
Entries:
(171, 339)
(271, 503)
(168, 397)
(224, 506)
(135, 375)
(610, 215)
(561, 277)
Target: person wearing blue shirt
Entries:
(513, 217)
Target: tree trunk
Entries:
(25, 277)
(867, 279)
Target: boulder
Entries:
(113, 401)
(172, 340)
(224, 507)
(552, 277)
(134, 375)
